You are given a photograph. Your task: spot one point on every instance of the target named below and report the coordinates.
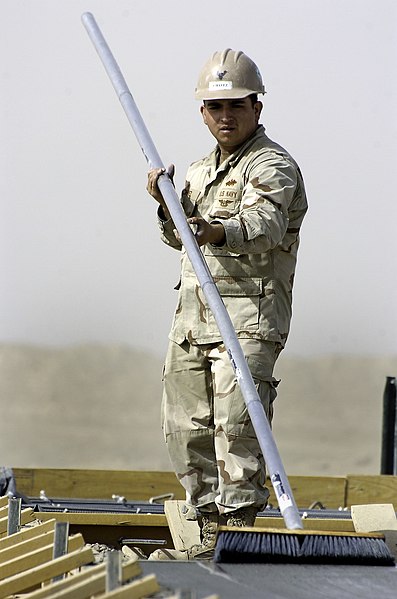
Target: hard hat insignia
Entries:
(221, 74)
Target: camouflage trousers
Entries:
(207, 428)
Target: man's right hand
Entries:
(153, 188)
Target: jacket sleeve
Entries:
(270, 187)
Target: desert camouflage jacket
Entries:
(258, 195)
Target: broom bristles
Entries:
(261, 546)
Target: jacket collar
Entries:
(233, 158)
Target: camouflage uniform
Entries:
(258, 195)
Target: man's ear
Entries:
(203, 113)
(258, 109)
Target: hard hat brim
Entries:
(230, 94)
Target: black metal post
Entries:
(389, 428)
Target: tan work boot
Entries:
(245, 516)
(205, 550)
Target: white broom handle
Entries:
(244, 378)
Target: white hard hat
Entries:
(229, 74)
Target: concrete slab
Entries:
(275, 581)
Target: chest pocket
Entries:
(190, 199)
(227, 202)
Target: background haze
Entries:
(84, 276)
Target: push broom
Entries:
(237, 544)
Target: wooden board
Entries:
(112, 529)
(27, 515)
(330, 491)
(326, 524)
(371, 489)
(142, 485)
(29, 532)
(26, 561)
(87, 583)
(184, 533)
(97, 484)
(106, 519)
(26, 580)
(27, 546)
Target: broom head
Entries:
(271, 545)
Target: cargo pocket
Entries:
(265, 382)
(241, 298)
(266, 386)
(267, 391)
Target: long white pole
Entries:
(244, 378)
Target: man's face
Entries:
(231, 122)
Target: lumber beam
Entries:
(26, 580)
(106, 519)
(184, 533)
(330, 491)
(96, 484)
(17, 549)
(363, 489)
(110, 529)
(26, 561)
(29, 532)
(27, 515)
(87, 583)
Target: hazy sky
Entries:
(81, 259)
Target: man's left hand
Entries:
(206, 232)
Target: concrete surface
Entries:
(276, 581)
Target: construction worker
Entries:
(246, 200)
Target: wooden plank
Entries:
(17, 549)
(4, 501)
(363, 489)
(96, 484)
(26, 561)
(110, 528)
(84, 584)
(26, 533)
(135, 590)
(326, 524)
(27, 515)
(184, 533)
(72, 580)
(142, 485)
(330, 491)
(106, 519)
(30, 578)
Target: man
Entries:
(246, 201)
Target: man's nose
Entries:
(226, 113)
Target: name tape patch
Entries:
(216, 85)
